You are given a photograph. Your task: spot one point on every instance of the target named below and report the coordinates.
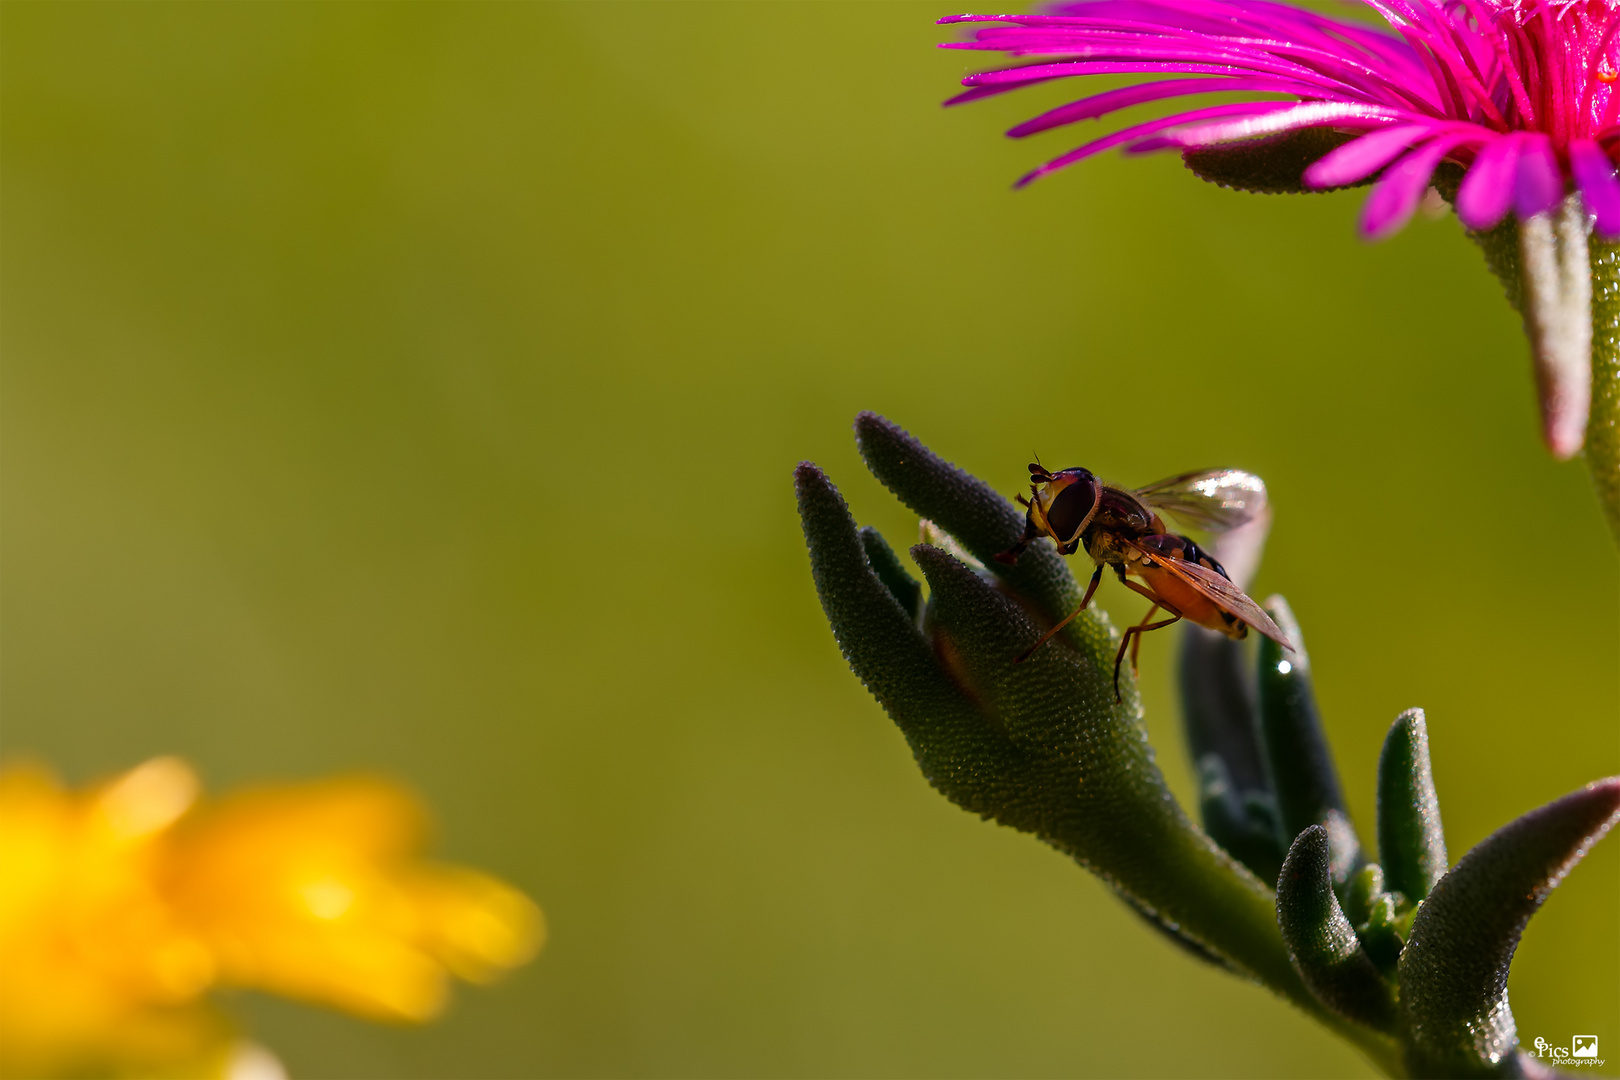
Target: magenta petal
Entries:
(1360, 159)
(1288, 118)
(1396, 196)
(1487, 190)
(1538, 185)
(1594, 174)
(1113, 100)
(1130, 134)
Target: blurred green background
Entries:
(416, 387)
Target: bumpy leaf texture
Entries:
(1455, 1018)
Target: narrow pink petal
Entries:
(1487, 190)
(1538, 185)
(1136, 131)
(1112, 100)
(1291, 118)
(1360, 159)
(1600, 190)
(1396, 195)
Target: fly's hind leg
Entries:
(1136, 642)
(1133, 635)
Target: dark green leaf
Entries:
(1411, 843)
(1273, 165)
(1298, 756)
(1218, 718)
(981, 520)
(1322, 943)
(1092, 787)
(952, 739)
(906, 590)
(1455, 1018)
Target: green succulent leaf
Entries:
(1218, 719)
(1272, 165)
(906, 590)
(1043, 745)
(1321, 942)
(1455, 1019)
(1297, 751)
(962, 752)
(1411, 842)
(981, 520)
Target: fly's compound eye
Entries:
(1071, 508)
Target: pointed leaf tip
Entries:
(978, 516)
(1297, 751)
(1321, 942)
(877, 636)
(1411, 841)
(1455, 1018)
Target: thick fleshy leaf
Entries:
(1455, 1018)
(1093, 790)
(1322, 943)
(1041, 745)
(1218, 712)
(1299, 759)
(980, 518)
(960, 750)
(1411, 842)
(1271, 166)
(906, 590)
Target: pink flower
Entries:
(1521, 94)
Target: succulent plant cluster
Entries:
(1407, 957)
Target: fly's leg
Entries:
(1085, 601)
(1136, 642)
(1010, 556)
(1133, 636)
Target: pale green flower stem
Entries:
(1603, 428)
(1566, 286)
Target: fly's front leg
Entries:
(1010, 556)
(1096, 579)
(1052, 633)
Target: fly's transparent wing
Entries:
(1215, 499)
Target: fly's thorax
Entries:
(1120, 509)
(1107, 545)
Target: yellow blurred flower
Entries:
(123, 904)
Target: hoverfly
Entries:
(1121, 528)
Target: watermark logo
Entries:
(1582, 1050)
